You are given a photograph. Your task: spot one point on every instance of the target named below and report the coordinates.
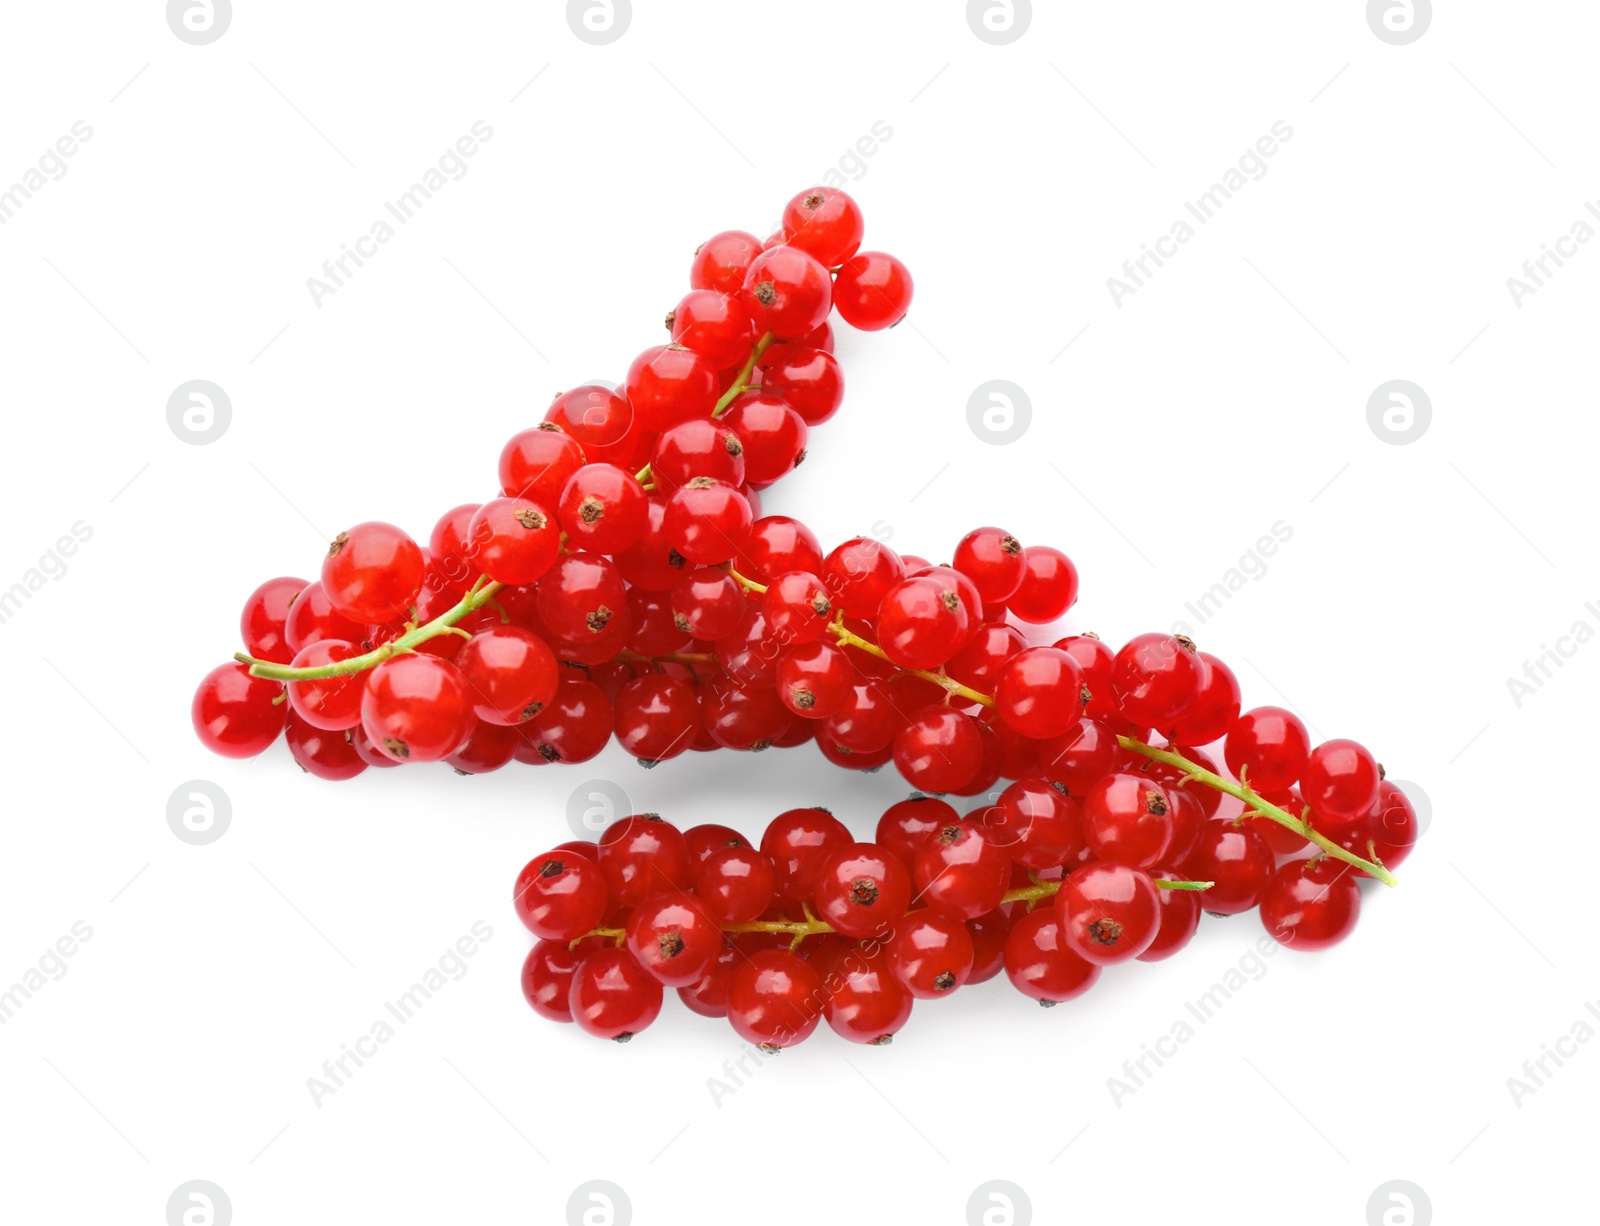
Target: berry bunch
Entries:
(1048, 887)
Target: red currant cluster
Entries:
(1044, 885)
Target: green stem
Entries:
(1254, 801)
(847, 638)
(481, 594)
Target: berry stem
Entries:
(848, 638)
(1259, 805)
(482, 593)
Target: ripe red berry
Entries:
(317, 751)
(1387, 833)
(815, 680)
(263, 622)
(536, 464)
(1039, 963)
(778, 544)
(510, 672)
(1040, 692)
(312, 617)
(1340, 781)
(1081, 756)
(736, 884)
(774, 999)
(236, 714)
(1049, 586)
(1108, 913)
(1155, 678)
(721, 262)
(640, 856)
(825, 223)
(602, 509)
(513, 540)
(656, 717)
(980, 663)
(907, 824)
(1127, 819)
(993, 559)
(699, 448)
(959, 872)
(1180, 919)
(672, 937)
(574, 726)
(547, 976)
(1037, 825)
(872, 291)
(1215, 705)
(559, 897)
(668, 384)
(797, 607)
(580, 596)
(330, 703)
(940, 750)
(1237, 860)
(861, 889)
(372, 573)
(707, 520)
(786, 292)
(772, 433)
(714, 325)
(859, 573)
(922, 622)
(703, 840)
(808, 380)
(797, 840)
(602, 423)
(1312, 904)
(1267, 748)
(612, 997)
(417, 708)
(930, 954)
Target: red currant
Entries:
(642, 855)
(417, 708)
(372, 573)
(673, 938)
(1180, 919)
(513, 540)
(1267, 748)
(931, 954)
(317, 751)
(656, 717)
(774, 999)
(1312, 904)
(1039, 963)
(263, 623)
(959, 872)
(787, 292)
(1108, 913)
(736, 884)
(808, 380)
(536, 464)
(873, 291)
(825, 223)
(721, 261)
(560, 897)
(1340, 781)
(1238, 862)
(612, 997)
(1040, 692)
(237, 715)
(714, 325)
(861, 889)
(1127, 819)
(511, 674)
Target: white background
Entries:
(1226, 395)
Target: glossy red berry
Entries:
(907, 824)
(536, 464)
(1267, 748)
(815, 680)
(263, 624)
(825, 223)
(721, 262)
(656, 717)
(714, 325)
(602, 509)
(1155, 678)
(797, 607)
(237, 715)
(922, 622)
(330, 755)
(930, 954)
(673, 938)
(872, 291)
(736, 884)
(1040, 692)
(993, 559)
(601, 421)
(372, 573)
(1039, 963)
(580, 596)
(642, 855)
(574, 726)
(1236, 860)
(859, 573)
(417, 708)
(1215, 705)
(612, 997)
(547, 976)
(700, 448)
(1340, 781)
(862, 999)
(797, 840)
(1180, 919)
(786, 292)
(861, 889)
(559, 897)
(330, 703)
(1049, 586)
(1108, 913)
(513, 540)
(772, 433)
(510, 672)
(779, 544)
(1081, 756)
(703, 840)
(775, 999)
(808, 380)
(959, 872)
(1312, 904)
(940, 750)
(1036, 824)
(312, 616)
(707, 520)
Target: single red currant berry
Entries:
(312, 617)
(612, 997)
(1312, 904)
(873, 291)
(488, 748)
(673, 938)
(580, 596)
(1236, 860)
(1127, 819)
(1049, 586)
(601, 422)
(513, 540)
(1215, 705)
(931, 954)
(1340, 781)
(701, 841)
(777, 545)
(1155, 678)
(808, 380)
(1096, 659)
(980, 663)
(993, 559)
(668, 384)
(787, 292)
(1108, 913)
(1386, 835)
(602, 509)
(707, 520)
(774, 999)
(1037, 824)
(536, 464)
(922, 622)
(510, 672)
(714, 325)
(1081, 756)
(797, 840)
(1180, 919)
(573, 727)
(736, 884)
(237, 715)
(1040, 693)
(859, 573)
(317, 751)
(263, 623)
(708, 995)
(750, 654)
(772, 433)
(330, 703)
(721, 262)
(559, 897)
(547, 976)
(940, 750)
(865, 724)
(417, 708)
(825, 223)
(372, 573)
(959, 872)
(797, 607)
(1267, 748)
(656, 717)
(907, 824)
(642, 855)
(815, 680)
(699, 448)
(861, 889)
(1039, 963)
(743, 717)
(863, 1001)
